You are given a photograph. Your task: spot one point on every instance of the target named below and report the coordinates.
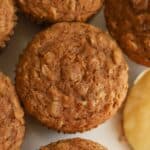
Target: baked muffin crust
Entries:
(59, 11)
(129, 23)
(72, 77)
(74, 144)
(11, 116)
(7, 20)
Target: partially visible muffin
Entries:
(74, 144)
(7, 20)
(72, 77)
(60, 11)
(12, 126)
(128, 22)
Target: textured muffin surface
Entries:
(74, 144)
(72, 77)
(58, 10)
(7, 20)
(11, 117)
(129, 23)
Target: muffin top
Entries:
(7, 20)
(60, 10)
(72, 77)
(132, 28)
(11, 116)
(74, 144)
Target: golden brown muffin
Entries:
(74, 144)
(12, 126)
(59, 11)
(72, 77)
(129, 23)
(7, 20)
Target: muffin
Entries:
(72, 77)
(12, 126)
(75, 143)
(7, 20)
(59, 11)
(128, 22)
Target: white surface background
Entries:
(36, 135)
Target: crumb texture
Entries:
(61, 10)
(72, 77)
(11, 117)
(7, 20)
(132, 28)
(74, 144)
